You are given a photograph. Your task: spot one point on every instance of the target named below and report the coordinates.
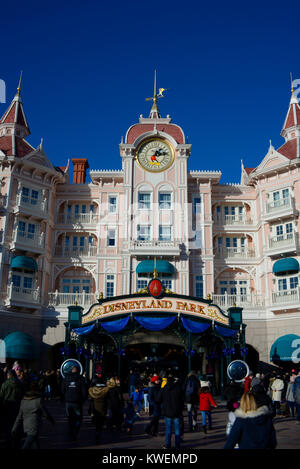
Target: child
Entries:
(206, 402)
(232, 405)
(130, 417)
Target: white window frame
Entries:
(110, 205)
(140, 203)
(110, 279)
(111, 237)
(161, 203)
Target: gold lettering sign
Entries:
(195, 309)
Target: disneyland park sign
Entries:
(141, 304)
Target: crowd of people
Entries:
(162, 396)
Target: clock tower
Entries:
(154, 161)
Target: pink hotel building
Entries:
(65, 240)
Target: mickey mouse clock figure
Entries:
(155, 154)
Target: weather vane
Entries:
(155, 95)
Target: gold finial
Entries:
(155, 95)
(155, 271)
(292, 88)
(19, 86)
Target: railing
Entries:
(78, 251)
(28, 295)
(278, 205)
(67, 299)
(24, 201)
(155, 243)
(80, 218)
(281, 241)
(233, 253)
(286, 297)
(250, 301)
(233, 220)
(29, 239)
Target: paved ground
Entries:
(53, 438)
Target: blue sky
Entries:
(88, 67)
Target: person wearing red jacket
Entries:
(206, 403)
(248, 382)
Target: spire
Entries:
(154, 113)
(292, 119)
(291, 128)
(14, 128)
(15, 117)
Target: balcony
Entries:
(245, 301)
(282, 244)
(77, 219)
(75, 251)
(32, 206)
(21, 295)
(28, 241)
(280, 208)
(233, 253)
(155, 247)
(233, 220)
(67, 299)
(286, 299)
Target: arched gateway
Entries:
(158, 329)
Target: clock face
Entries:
(155, 155)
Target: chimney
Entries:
(79, 172)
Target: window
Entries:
(76, 285)
(28, 282)
(110, 285)
(165, 233)
(282, 284)
(111, 237)
(142, 283)
(143, 232)
(16, 280)
(144, 200)
(293, 282)
(280, 197)
(282, 230)
(196, 205)
(167, 283)
(112, 204)
(29, 195)
(26, 230)
(199, 286)
(165, 200)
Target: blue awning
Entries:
(155, 324)
(286, 266)
(20, 345)
(162, 266)
(194, 326)
(24, 262)
(84, 330)
(286, 348)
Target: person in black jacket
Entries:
(154, 406)
(115, 404)
(192, 388)
(171, 396)
(74, 391)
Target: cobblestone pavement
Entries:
(56, 437)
